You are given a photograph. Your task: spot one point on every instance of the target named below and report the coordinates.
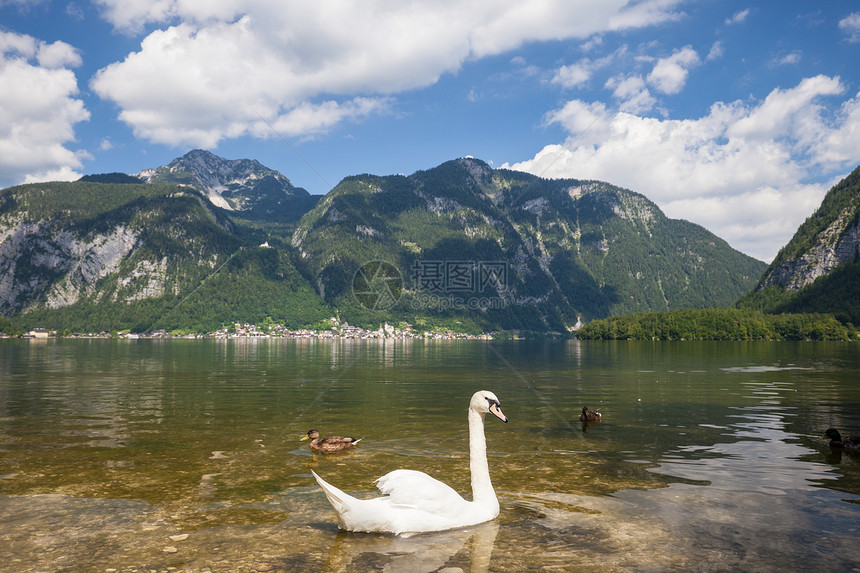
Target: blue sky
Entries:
(735, 115)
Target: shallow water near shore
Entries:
(149, 455)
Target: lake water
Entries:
(184, 455)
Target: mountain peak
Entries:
(233, 184)
(200, 154)
(217, 173)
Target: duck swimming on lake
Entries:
(590, 415)
(330, 444)
(413, 502)
(851, 443)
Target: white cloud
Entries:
(839, 145)
(61, 173)
(670, 74)
(748, 158)
(738, 17)
(716, 51)
(579, 73)
(58, 55)
(787, 59)
(17, 45)
(38, 110)
(573, 75)
(582, 119)
(74, 11)
(790, 114)
(851, 26)
(632, 93)
(133, 16)
(593, 43)
(216, 65)
(307, 118)
(638, 14)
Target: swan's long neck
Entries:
(482, 489)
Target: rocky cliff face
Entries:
(61, 243)
(828, 239)
(40, 262)
(839, 243)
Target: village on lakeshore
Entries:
(245, 331)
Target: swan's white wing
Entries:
(416, 490)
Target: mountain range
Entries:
(206, 241)
(570, 250)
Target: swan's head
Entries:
(485, 401)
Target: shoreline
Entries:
(251, 332)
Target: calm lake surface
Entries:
(148, 455)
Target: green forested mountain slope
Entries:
(717, 324)
(818, 270)
(92, 256)
(570, 248)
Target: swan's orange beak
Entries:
(497, 411)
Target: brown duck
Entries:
(589, 415)
(330, 443)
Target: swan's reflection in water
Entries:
(419, 553)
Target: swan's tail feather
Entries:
(339, 500)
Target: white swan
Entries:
(414, 502)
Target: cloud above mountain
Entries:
(223, 69)
(737, 170)
(39, 108)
